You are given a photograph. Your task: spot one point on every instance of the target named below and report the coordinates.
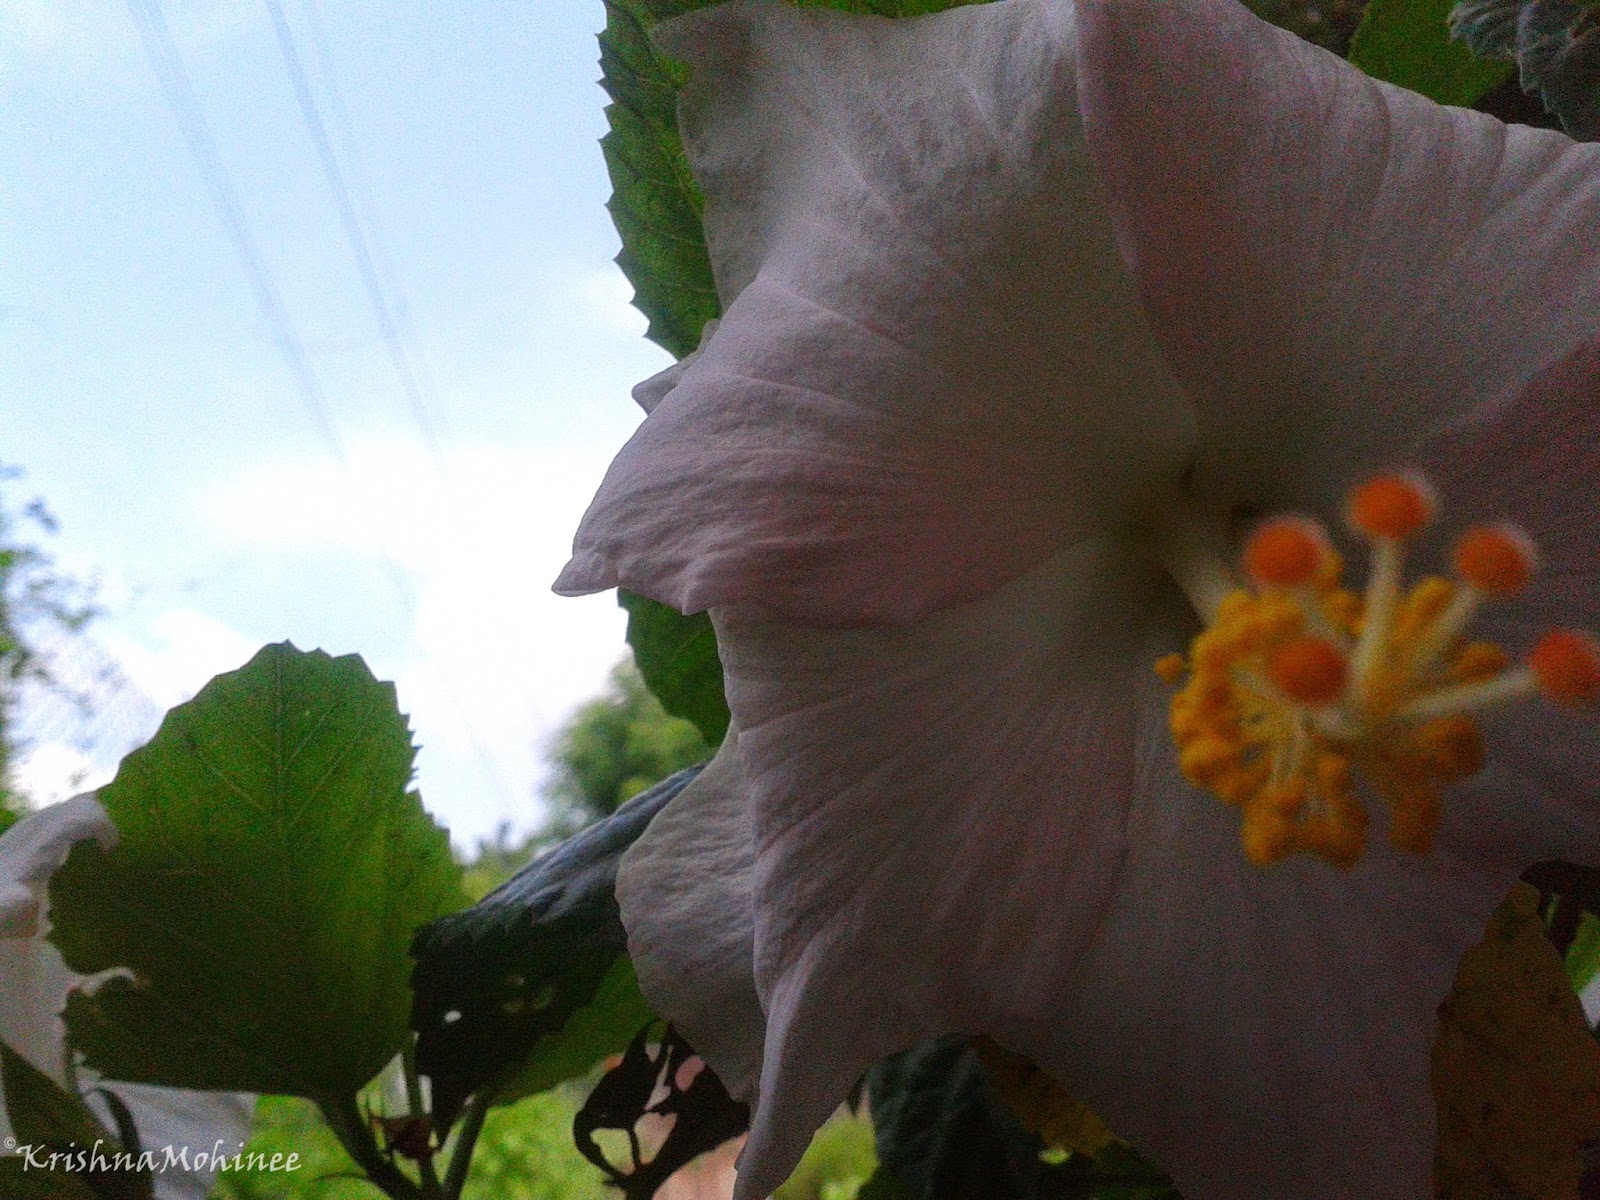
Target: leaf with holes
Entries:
(271, 869)
(532, 985)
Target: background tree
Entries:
(38, 602)
(614, 747)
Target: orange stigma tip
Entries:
(1395, 505)
(1497, 559)
(1567, 666)
(1308, 669)
(1286, 552)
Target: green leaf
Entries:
(941, 1131)
(677, 655)
(1583, 957)
(526, 982)
(1407, 42)
(601, 1027)
(654, 202)
(269, 875)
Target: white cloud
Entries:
(48, 772)
(108, 690)
(494, 661)
(171, 656)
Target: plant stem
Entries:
(415, 1107)
(344, 1118)
(472, 1117)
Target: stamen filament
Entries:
(1451, 624)
(1383, 596)
(1517, 684)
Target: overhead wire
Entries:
(173, 77)
(355, 235)
(365, 249)
(175, 84)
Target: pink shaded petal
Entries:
(975, 824)
(685, 892)
(932, 372)
(1535, 460)
(1333, 266)
(1267, 1033)
(939, 816)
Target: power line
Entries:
(168, 66)
(174, 80)
(355, 235)
(350, 152)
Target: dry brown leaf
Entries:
(1516, 1072)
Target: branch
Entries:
(344, 1118)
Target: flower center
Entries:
(1298, 683)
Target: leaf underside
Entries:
(270, 871)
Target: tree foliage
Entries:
(37, 601)
(615, 747)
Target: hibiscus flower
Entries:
(1031, 313)
(34, 985)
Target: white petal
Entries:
(1334, 266)
(1266, 1033)
(212, 1124)
(975, 824)
(654, 390)
(34, 979)
(34, 848)
(932, 372)
(685, 892)
(939, 815)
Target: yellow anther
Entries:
(1170, 668)
(1479, 661)
(1296, 687)
(1204, 760)
(1425, 604)
(1450, 748)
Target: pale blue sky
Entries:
(147, 401)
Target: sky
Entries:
(222, 501)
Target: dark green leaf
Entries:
(49, 1120)
(654, 202)
(943, 1133)
(602, 1027)
(1407, 42)
(677, 655)
(516, 989)
(271, 870)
